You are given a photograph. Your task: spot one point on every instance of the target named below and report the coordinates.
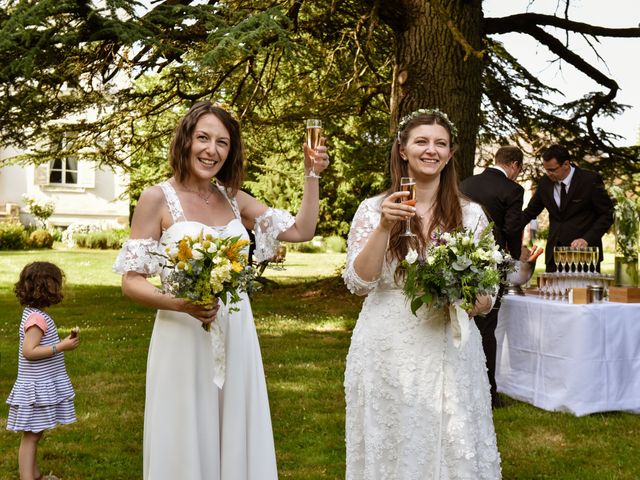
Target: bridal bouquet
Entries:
(205, 268)
(455, 270)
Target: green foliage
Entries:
(13, 236)
(40, 239)
(627, 223)
(543, 233)
(102, 240)
(40, 209)
(275, 64)
(335, 244)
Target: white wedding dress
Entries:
(192, 429)
(418, 407)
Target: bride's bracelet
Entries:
(308, 175)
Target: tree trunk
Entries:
(438, 64)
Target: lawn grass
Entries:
(304, 318)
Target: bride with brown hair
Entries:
(418, 402)
(193, 428)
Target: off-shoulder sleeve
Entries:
(267, 228)
(366, 219)
(139, 255)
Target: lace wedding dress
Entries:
(194, 430)
(418, 407)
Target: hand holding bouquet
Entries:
(205, 268)
(455, 270)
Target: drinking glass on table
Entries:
(593, 259)
(408, 184)
(314, 132)
(557, 258)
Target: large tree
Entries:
(109, 78)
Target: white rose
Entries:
(497, 256)
(430, 259)
(411, 256)
(196, 251)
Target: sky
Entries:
(620, 54)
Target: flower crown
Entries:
(428, 111)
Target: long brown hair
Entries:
(446, 214)
(232, 172)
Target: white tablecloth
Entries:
(575, 358)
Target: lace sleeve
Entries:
(139, 255)
(365, 220)
(267, 228)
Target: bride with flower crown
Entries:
(417, 396)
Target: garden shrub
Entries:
(102, 240)
(13, 236)
(312, 246)
(40, 239)
(335, 244)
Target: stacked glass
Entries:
(576, 268)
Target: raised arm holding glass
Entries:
(195, 429)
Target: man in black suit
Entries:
(501, 197)
(580, 211)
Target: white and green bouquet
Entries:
(455, 269)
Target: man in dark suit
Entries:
(580, 211)
(496, 190)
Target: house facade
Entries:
(80, 191)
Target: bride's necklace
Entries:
(203, 197)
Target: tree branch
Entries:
(524, 22)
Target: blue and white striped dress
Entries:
(42, 396)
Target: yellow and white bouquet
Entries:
(205, 268)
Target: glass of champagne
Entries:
(571, 259)
(556, 258)
(593, 260)
(586, 259)
(408, 184)
(314, 132)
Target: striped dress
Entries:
(42, 396)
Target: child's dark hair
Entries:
(40, 285)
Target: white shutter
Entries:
(86, 173)
(41, 174)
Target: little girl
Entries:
(42, 396)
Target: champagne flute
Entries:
(571, 259)
(594, 259)
(586, 258)
(556, 258)
(314, 132)
(408, 184)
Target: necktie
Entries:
(563, 195)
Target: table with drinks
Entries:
(560, 356)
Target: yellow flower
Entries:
(232, 250)
(184, 251)
(236, 266)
